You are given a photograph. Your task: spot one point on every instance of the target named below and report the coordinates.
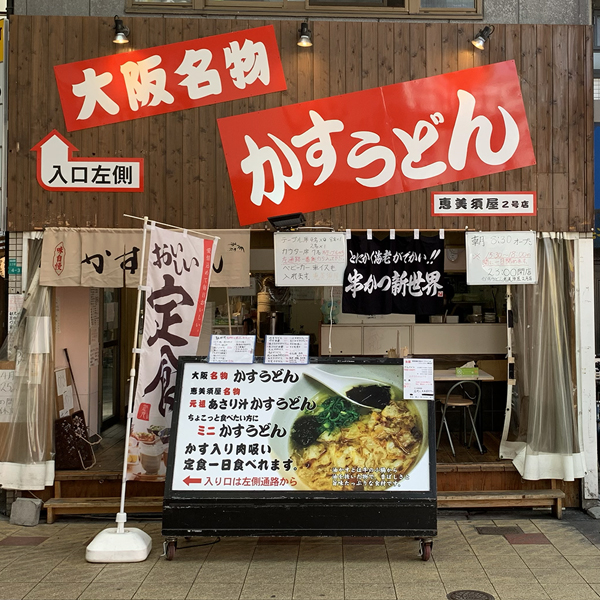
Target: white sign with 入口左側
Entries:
(503, 257)
(286, 349)
(58, 170)
(309, 259)
(232, 349)
(487, 204)
(418, 379)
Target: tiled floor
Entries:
(550, 560)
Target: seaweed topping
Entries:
(376, 396)
(306, 431)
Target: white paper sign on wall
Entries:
(7, 388)
(314, 259)
(501, 257)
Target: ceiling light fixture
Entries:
(121, 32)
(482, 37)
(305, 38)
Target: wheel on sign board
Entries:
(425, 549)
(171, 547)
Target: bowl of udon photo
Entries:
(357, 433)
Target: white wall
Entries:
(73, 333)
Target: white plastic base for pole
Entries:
(119, 545)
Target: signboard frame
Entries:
(290, 512)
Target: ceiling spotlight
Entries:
(304, 39)
(482, 37)
(121, 32)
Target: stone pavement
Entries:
(542, 558)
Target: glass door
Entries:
(110, 387)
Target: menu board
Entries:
(314, 259)
(258, 427)
(232, 349)
(505, 257)
(286, 349)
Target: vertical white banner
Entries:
(179, 267)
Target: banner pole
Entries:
(228, 311)
(192, 231)
(120, 544)
(132, 372)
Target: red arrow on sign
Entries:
(59, 170)
(189, 480)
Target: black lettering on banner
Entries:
(403, 276)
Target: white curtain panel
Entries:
(26, 428)
(543, 438)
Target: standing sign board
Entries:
(501, 258)
(247, 437)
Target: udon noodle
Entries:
(358, 448)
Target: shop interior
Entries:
(470, 312)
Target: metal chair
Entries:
(470, 397)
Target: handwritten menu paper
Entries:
(237, 349)
(7, 388)
(68, 398)
(94, 307)
(315, 259)
(418, 379)
(504, 257)
(94, 354)
(61, 381)
(15, 305)
(286, 350)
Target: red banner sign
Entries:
(164, 79)
(377, 142)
